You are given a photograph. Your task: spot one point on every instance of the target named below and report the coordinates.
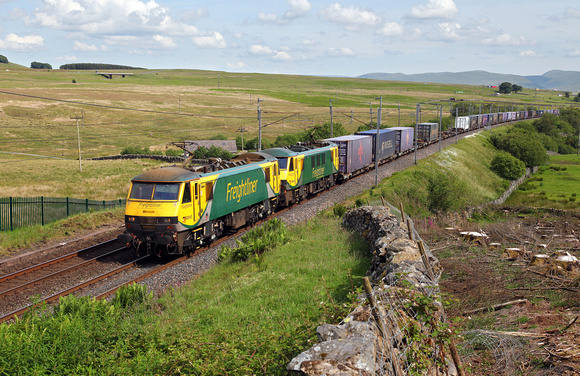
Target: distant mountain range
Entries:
(554, 79)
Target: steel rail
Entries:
(84, 263)
(53, 261)
(77, 287)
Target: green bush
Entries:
(522, 144)
(507, 166)
(256, 241)
(339, 210)
(444, 192)
(212, 152)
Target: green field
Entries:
(556, 185)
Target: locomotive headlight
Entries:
(166, 220)
(131, 219)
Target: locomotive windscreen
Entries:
(155, 191)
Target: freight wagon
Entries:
(427, 132)
(462, 122)
(354, 154)
(387, 143)
(404, 139)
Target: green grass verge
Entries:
(236, 319)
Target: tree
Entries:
(516, 88)
(507, 166)
(3, 59)
(37, 65)
(505, 88)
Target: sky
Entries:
(310, 37)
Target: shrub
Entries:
(359, 202)
(507, 166)
(339, 210)
(444, 192)
(212, 152)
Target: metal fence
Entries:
(17, 212)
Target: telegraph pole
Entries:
(416, 122)
(331, 130)
(440, 115)
(377, 140)
(77, 118)
(242, 130)
(259, 125)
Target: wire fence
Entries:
(18, 212)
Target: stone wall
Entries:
(514, 184)
(374, 339)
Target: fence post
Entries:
(86, 205)
(104, 205)
(10, 213)
(67, 209)
(42, 210)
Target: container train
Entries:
(176, 210)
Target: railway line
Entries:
(100, 270)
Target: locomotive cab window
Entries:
(186, 194)
(166, 191)
(283, 163)
(155, 191)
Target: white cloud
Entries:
(391, 29)
(84, 47)
(211, 40)
(298, 8)
(268, 18)
(164, 42)
(528, 53)
(106, 17)
(350, 18)
(258, 49)
(344, 51)
(435, 9)
(573, 53)
(282, 55)
(309, 42)
(505, 40)
(26, 43)
(447, 31)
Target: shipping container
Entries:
(404, 138)
(462, 122)
(473, 121)
(427, 132)
(484, 120)
(387, 142)
(354, 153)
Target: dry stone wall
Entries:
(396, 330)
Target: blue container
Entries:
(354, 152)
(404, 140)
(387, 142)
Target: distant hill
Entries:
(554, 79)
